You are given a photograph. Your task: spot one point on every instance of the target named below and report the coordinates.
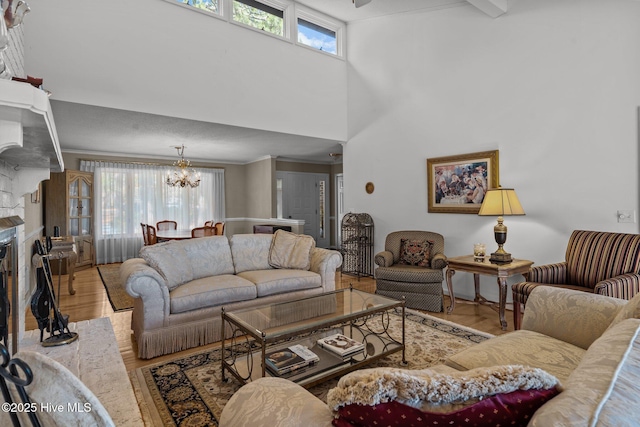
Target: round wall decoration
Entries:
(369, 187)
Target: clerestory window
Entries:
(259, 15)
(286, 19)
(207, 5)
(317, 36)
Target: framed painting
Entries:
(457, 184)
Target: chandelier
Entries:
(184, 175)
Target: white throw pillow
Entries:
(171, 261)
(290, 250)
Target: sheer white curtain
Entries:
(127, 194)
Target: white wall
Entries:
(554, 85)
(156, 57)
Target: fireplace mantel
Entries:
(28, 136)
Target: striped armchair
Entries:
(600, 262)
(420, 285)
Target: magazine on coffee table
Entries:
(289, 359)
(328, 361)
(305, 353)
(341, 345)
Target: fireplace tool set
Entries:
(5, 306)
(44, 305)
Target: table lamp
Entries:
(501, 202)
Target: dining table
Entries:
(179, 234)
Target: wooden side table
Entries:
(64, 248)
(502, 271)
(70, 256)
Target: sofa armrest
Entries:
(624, 286)
(144, 282)
(438, 261)
(550, 273)
(275, 402)
(384, 259)
(325, 262)
(576, 317)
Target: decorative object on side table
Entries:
(479, 251)
(501, 201)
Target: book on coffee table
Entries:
(341, 345)
(289, 359)
(328, 361)
(305, 353)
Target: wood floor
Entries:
(90, 301)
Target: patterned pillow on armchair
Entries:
(415, 252)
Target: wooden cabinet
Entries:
(68, 204)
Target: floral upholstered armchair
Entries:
(595, 261)
(411, 267)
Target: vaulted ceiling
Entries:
(78, 124)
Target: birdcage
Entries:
(357, 244)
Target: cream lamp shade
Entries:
(500, 202)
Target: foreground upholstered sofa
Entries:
(590, 343)
(180, 287)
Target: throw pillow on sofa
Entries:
(506, 395)
(290, 250)
(171, 261)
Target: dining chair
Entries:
(219, 226)
(151, 233)
(203, 231)
(145, 234)
(208, 224)
(166, 225)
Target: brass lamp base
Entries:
(500, 258)
(500, 233)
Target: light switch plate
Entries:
(627, 216)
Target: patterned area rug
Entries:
(119, 298)
(188, 391)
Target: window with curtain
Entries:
(127, 194)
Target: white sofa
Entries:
(180, 287)
(590, 343)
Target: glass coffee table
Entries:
(248, 335)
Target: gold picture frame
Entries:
(456, 184)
